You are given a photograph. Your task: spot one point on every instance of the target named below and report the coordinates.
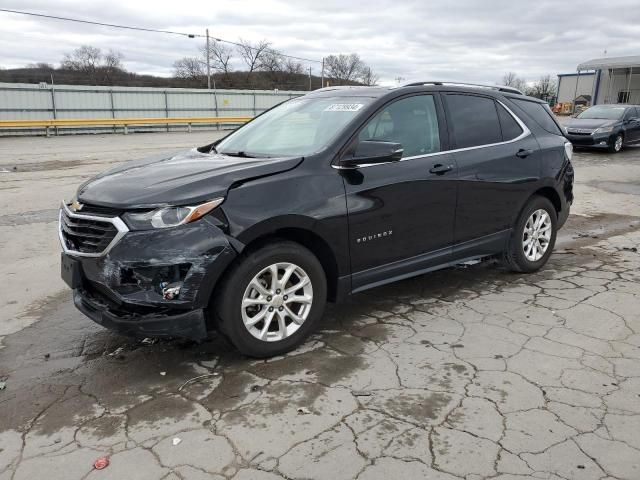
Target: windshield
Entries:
(603, 112)
(297, 127)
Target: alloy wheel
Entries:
(277, 302)
(618, 145)
(536, 235)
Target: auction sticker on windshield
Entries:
(344, 107)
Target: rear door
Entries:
(402, 211)
(498, 161)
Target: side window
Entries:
(630, 113)
(510, 128)
(540, 113)
(474, 120)
(411, 121)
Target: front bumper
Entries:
(189, 324)
(596, 140)
(124, 289)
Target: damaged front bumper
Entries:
(189, 324)
(154, 283)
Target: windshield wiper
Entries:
(241, 154)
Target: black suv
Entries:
(325, 195)
(605, 126)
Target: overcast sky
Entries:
(461, 40)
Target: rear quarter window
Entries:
(540, 113)
(510, 128)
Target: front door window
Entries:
(411, 121)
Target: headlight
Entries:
(603, 130)
(169, 216)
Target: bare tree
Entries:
(111, 65)
(253, 54)
(271, 61)
(368, 77)
(545, 88)
(511, 79)
(190, 68)
(344, 68)
(220, 56)
(113, 59)
(292, 66)
(85, 59)
(93, 64)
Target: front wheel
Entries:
(272, 299)
(616, 146)
(533, 237)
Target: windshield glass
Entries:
(603, 112)
(298, 127)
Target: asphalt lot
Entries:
(462, 374)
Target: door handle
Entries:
(440, 169)
(522, 153)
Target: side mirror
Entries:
(369, 152)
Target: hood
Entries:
(591, 123)
(178, 179)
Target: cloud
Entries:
(465, 40)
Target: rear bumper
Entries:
(564, 215)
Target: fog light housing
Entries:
(171, 291)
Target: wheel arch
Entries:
(300, 230)
(551, 194)
(545, 191)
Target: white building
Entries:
(603, 80)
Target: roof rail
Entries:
(340, 87)
(500, 88)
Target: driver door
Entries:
(401, 214)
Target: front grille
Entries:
(88, 235)
(579, 131)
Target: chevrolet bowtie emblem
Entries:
(76, 206)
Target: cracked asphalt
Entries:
(467, 373)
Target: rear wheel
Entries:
(272, 299)
(533, 237)
(616, 145)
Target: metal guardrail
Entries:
(123, 122)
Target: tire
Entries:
(617, 144)
(521, 258)
(247, 296)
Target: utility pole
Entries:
(322, 75)
(309, 77)
(208, 63)
(53, 103)
(575, 93)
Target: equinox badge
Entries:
(368, 238)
